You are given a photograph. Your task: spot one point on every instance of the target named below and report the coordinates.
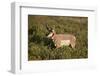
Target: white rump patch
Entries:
(65, 42)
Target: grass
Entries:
(41, 48)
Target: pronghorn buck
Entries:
(62, 39)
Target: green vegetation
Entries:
(41, 48)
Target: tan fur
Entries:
(68, 38)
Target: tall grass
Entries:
(41, 48)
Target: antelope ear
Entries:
(53, 30)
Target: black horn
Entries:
(48, 28)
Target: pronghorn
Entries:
(62, 39)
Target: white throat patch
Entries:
(50, 35)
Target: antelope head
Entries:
(51, 32)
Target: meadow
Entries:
(42, 48)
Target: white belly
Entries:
(65, 42)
